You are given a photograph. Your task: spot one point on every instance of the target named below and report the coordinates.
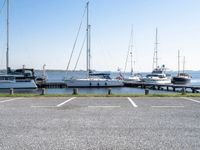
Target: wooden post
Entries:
(43, 91)
(109, 91)
(11, 91)
(183, 91)
(75, 91)
(146, 91)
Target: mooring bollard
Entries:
(11, 91)
(43, 91)
(146, 91)
(109, 91)
(183, 92)
(75, 91)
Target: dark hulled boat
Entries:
(182, 78)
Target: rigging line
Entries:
(129, 49)
(80, 52)
(2, 6)
(76, 39)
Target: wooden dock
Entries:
(143, 85)
(167, 87)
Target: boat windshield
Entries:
(100, 75)
(7, 78)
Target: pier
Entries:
(167, 87)
(143, 85)
(52, 85)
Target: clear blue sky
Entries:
(43, 32)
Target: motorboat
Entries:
(158, 76)
(11, 82)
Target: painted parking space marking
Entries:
(59, 105)
(132, 102)
(190, 99)
(8, 100)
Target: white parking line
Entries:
(132, 102)
(59, 105)
(190, 99)
(8, 100)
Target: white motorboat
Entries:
(10, 82)
(19, 79)
(158, 76)
(92, 79)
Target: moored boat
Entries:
(181, 78)
(19, 79)
(92, 79)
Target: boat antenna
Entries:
(155, 56)
(7, 51)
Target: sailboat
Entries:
(15, 81)
(158, 75)
(92, 79)
(133, 77)
(181, 78)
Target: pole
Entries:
(7, 51)
(87, 30)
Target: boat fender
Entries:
(90, 84)
(97, 84)
(105, 83)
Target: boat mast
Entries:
(184, 64)
(178, 62)
(88, 41)
(7, 51)
(131, 50)
(155, 57)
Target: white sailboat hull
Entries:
(18, 85)
(94, 83)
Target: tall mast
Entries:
(88, 40)
(183, 64)
(178, 62)
(131, 49)
(155, 57)
(7, 51)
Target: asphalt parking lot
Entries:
(121, 123)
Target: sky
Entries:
(44, 31)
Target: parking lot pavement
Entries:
(99, 123)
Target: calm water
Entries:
(59, 75)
